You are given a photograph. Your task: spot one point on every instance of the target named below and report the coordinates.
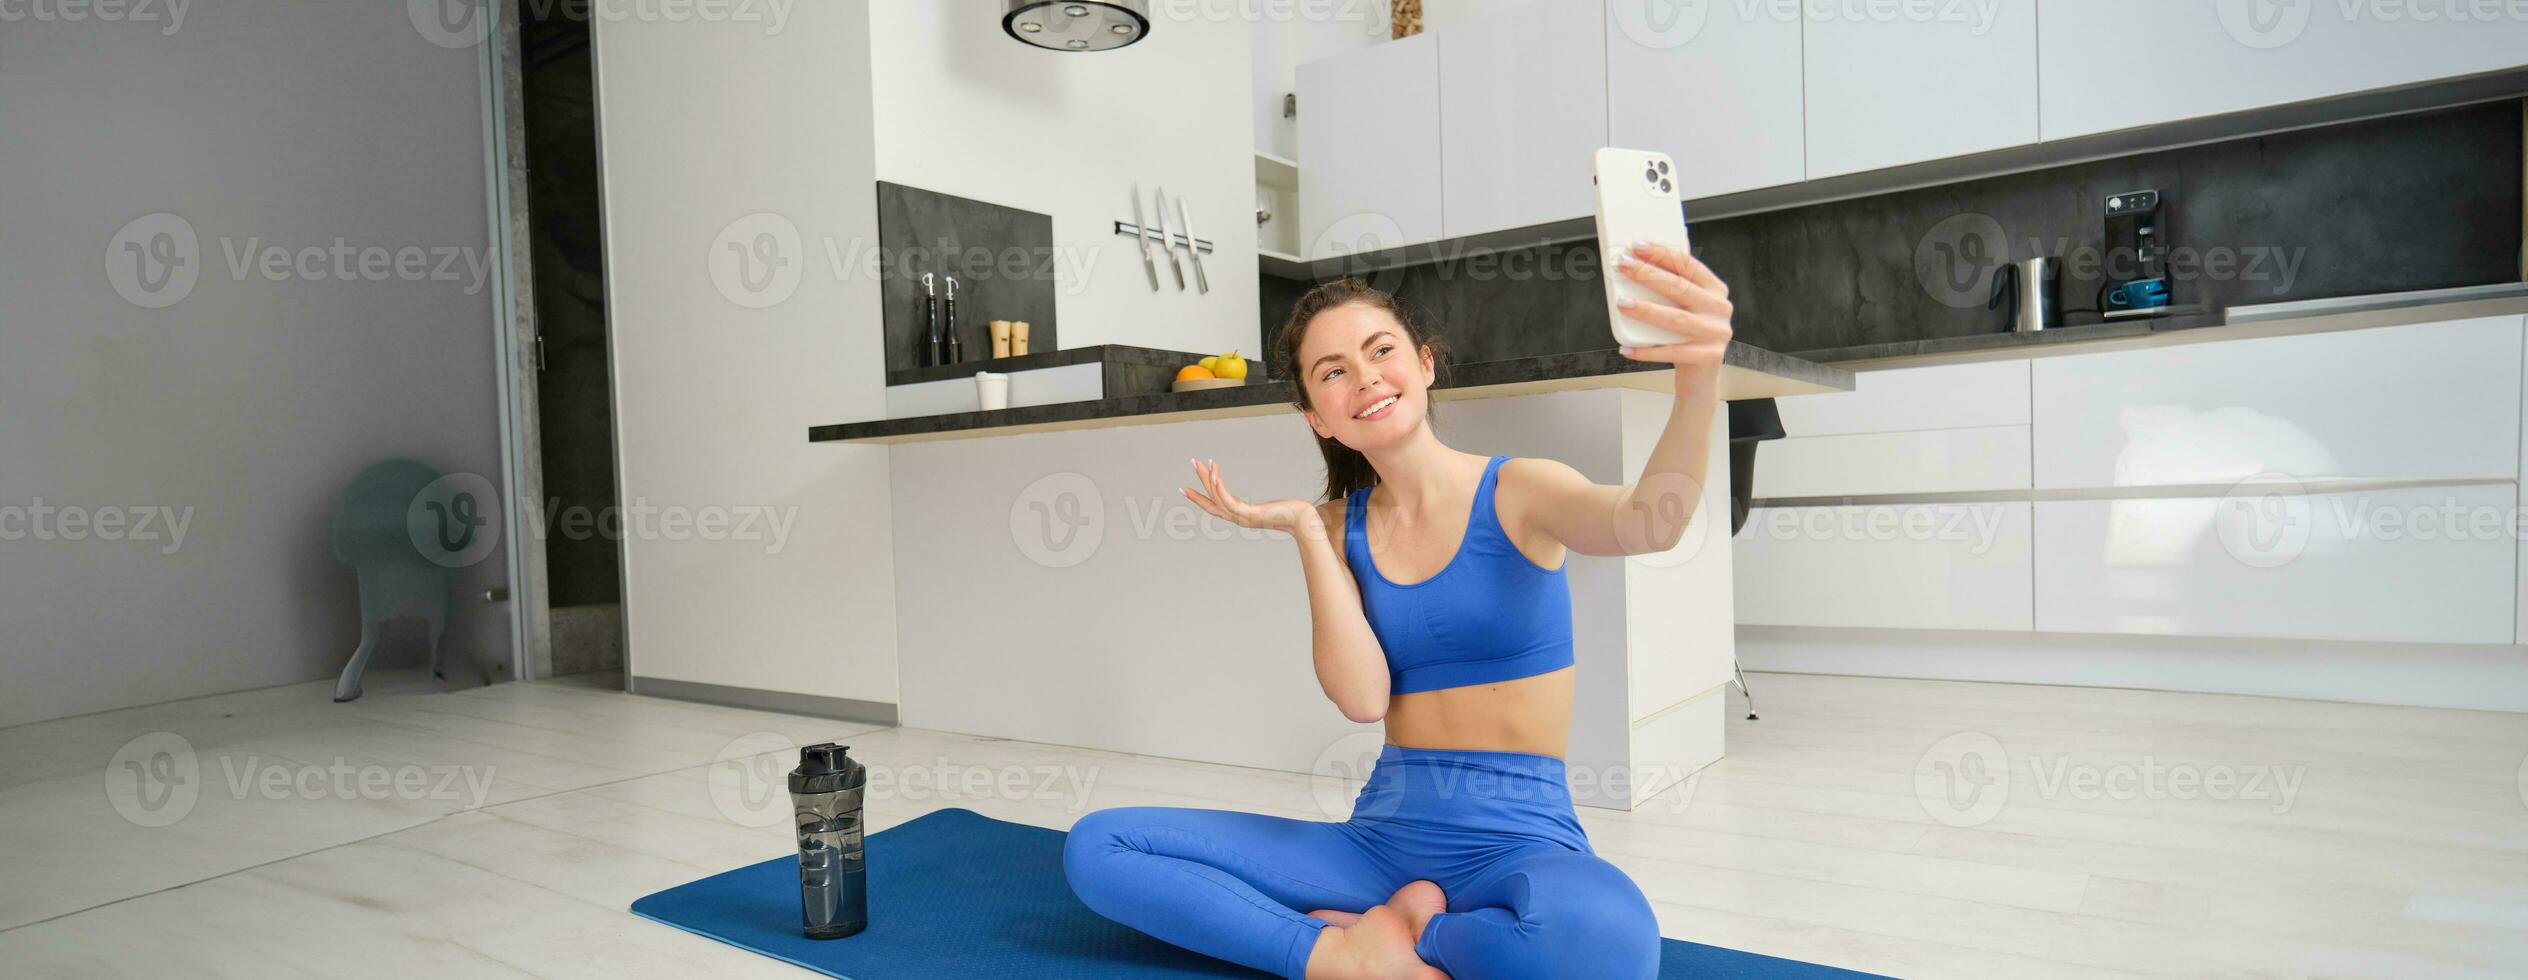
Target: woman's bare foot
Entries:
(1337, 917)
(1418, 901)
(1377, 947)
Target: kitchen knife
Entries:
(1186, 218)
(1168, 244)
(1148, 264)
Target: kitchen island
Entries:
(1053, 584)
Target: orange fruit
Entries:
(1193, 372)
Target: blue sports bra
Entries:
(1490, 614)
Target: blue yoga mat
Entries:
(954, 895)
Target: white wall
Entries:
(704, 124)
(251, 400)
(962, 109)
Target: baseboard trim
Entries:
(786, 702)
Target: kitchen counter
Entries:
(1746, 372)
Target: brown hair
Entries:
(1346, 469)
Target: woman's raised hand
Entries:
(1701, 313)
(1286, 515)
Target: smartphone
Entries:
(1637, 201)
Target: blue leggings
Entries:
(1527, 896)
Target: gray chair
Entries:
(370, 534)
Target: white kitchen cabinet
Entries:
(1369, 148)
(1941, 396)
(2430, 401)
(1900, 566)
(1939, 429)
(1897, 83)
(2418, 564)
(1991, 457)
(1522, 107)
(1716, 91)
(2112, 66)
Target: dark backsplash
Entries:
(1002, 258)
(2412, 202)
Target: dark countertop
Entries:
(2314, 314)
(1105, 353)
(2074, 333)
(1747, 372)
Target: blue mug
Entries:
(2140, 294)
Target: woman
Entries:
(1441, 607)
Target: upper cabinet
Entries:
(1487, 125)
(1522, 106)
(2111, 66)
(1369, 148)
(1714, 90)
(1898, 83)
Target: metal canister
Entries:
(2033, 288)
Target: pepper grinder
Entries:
(931, 347)
(956, 351)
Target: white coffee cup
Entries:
(991, 388)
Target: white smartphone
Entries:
(1637, 201)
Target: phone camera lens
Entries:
(1650, 175)
(1663, 166)
(1664, 186)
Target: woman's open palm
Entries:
(1287, 515)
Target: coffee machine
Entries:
(2137, 257)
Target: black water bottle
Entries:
(825, 797)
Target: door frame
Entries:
(516, 334)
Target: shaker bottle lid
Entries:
(824, 768)
(823, 758)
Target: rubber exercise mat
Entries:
(956, 895)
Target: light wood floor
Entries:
(1848, 827)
